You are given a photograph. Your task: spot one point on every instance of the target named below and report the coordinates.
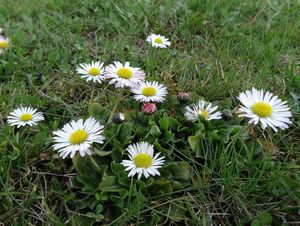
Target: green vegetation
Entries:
(219, 173)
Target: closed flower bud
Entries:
(118, 118)
(149, 108)
(183, 97)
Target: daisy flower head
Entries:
(265, 108)
(141, 160)
(158, 41)
(4, 44)
(122, 75)
(149, 92)
(24, 116)
(78, 136)
(202, 109)
(91, 72)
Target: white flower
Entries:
(142, 161)
(91, 72)
(4, 44)
(124, 75)
(24, 116)
(78, 136)
(149, 92)
(158, 41)
(204, 109)
(265, 108)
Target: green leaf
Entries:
(213, 135)
(141, 132)
(173, 123)
(97, 217)
(160, 187)
(125, 132)
(101, 153)
(180, 172)
(98, 111)
(168, 136)
(117, 168)
(110, 184)
(265, 218)
(195, 143)
(255, 223)
(164, 124)
(117, 153)
(155, 131)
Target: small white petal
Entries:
(62, 138)
(142, 148)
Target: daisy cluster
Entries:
(124, 75)
(78, 136)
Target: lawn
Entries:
(218, 172)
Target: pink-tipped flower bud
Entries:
(183, 97)
(149, 108)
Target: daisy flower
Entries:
(78, 136)
(91, 72)
(142, 161)
(158, 41)
(265, 108)
(149, 92)
(4, 44)
(24, 116)
(123, 75)
(204, 109)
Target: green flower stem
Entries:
(95, 164)
(119, 97)
(92, 94)
(130, 190)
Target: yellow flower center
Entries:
(26, 117)
(149, 91)
(125, 73)
(142, 160)
(158, 40)
(3, 44)
(78, 136)
(94, 71)
(204, 113)
(262, 109)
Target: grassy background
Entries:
(219, 48)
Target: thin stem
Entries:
(95, 164)
(92, 94)
(116, 104)
(130, 190)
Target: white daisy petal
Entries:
(91, 72)
(202, 109)
(4, 44)
(265, 108)
(124, 75)
(158, 41)
(141, 160)
(24, 116)
(149, 92)
(77, 136)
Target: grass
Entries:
(219, 48)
